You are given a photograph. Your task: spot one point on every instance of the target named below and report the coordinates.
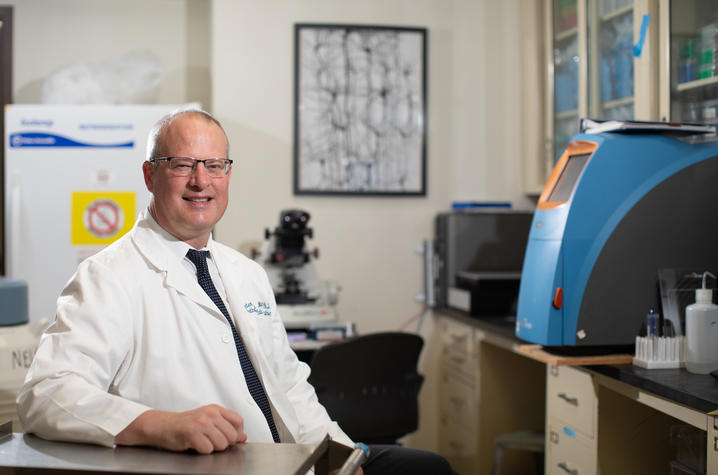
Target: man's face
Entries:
(188, 207)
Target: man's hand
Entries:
(205, 429)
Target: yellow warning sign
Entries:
(100, 218)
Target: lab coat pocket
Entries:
(258, 334)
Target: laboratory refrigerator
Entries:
(73, 184)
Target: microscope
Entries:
(303, 300)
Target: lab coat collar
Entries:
(162, 250)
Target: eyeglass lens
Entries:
(215, 167)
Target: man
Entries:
(152, 343)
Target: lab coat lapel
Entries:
(227, 266)
(175, 275)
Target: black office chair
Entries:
(370, 386)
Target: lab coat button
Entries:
(250, 401)
(225, 338)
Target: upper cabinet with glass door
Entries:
(611, 59)
(690, 61)
(595, 71)
(567, 44)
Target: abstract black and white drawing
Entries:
(359, 118)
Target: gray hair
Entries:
(155, 144)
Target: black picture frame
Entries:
(360, 123)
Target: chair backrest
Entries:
(369, 385)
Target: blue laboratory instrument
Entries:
(619, 205)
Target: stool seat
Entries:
(532, 441)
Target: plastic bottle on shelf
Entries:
(606, 84)
(570, 10)
(623, 58)
(687, 61)
(708, 43)
(701, 350)
(605, 64)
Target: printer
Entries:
(624, 201)
(479, 253)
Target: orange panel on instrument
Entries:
(579, 147)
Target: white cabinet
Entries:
(573, 454)
(593, 423)
(712, 443)
(458, 396)
(571, 421)
(486, 389)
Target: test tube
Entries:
(651, 323)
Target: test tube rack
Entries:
(654, 352)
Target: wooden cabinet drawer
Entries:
(569, 451)
(459, 445)
(461, 363)
(459, 401)
(457, 440)
(571, 398)
(457, 337)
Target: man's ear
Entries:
(148, 170)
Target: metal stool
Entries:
(532, 441)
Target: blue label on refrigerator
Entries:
(42, 139)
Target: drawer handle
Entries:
(456, 445)
(457, 360)
(564, 467)
(459, 338)
(456, 401)
(570, 400)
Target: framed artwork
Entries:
(360, 110)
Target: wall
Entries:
(368, 244)
(51, 34)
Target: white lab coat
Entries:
(134, 331)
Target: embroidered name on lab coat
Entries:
(260, 308)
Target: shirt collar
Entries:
(176, 247)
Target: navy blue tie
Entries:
(199, 258)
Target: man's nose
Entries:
(199, 176)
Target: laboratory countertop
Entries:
(25, 452)
(696, 391)
(503, 326)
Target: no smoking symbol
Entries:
(103, 218)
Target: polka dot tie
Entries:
(199, 259)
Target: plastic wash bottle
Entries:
(701, 350)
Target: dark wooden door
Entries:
(5, 98)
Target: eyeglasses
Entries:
(184, 166)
